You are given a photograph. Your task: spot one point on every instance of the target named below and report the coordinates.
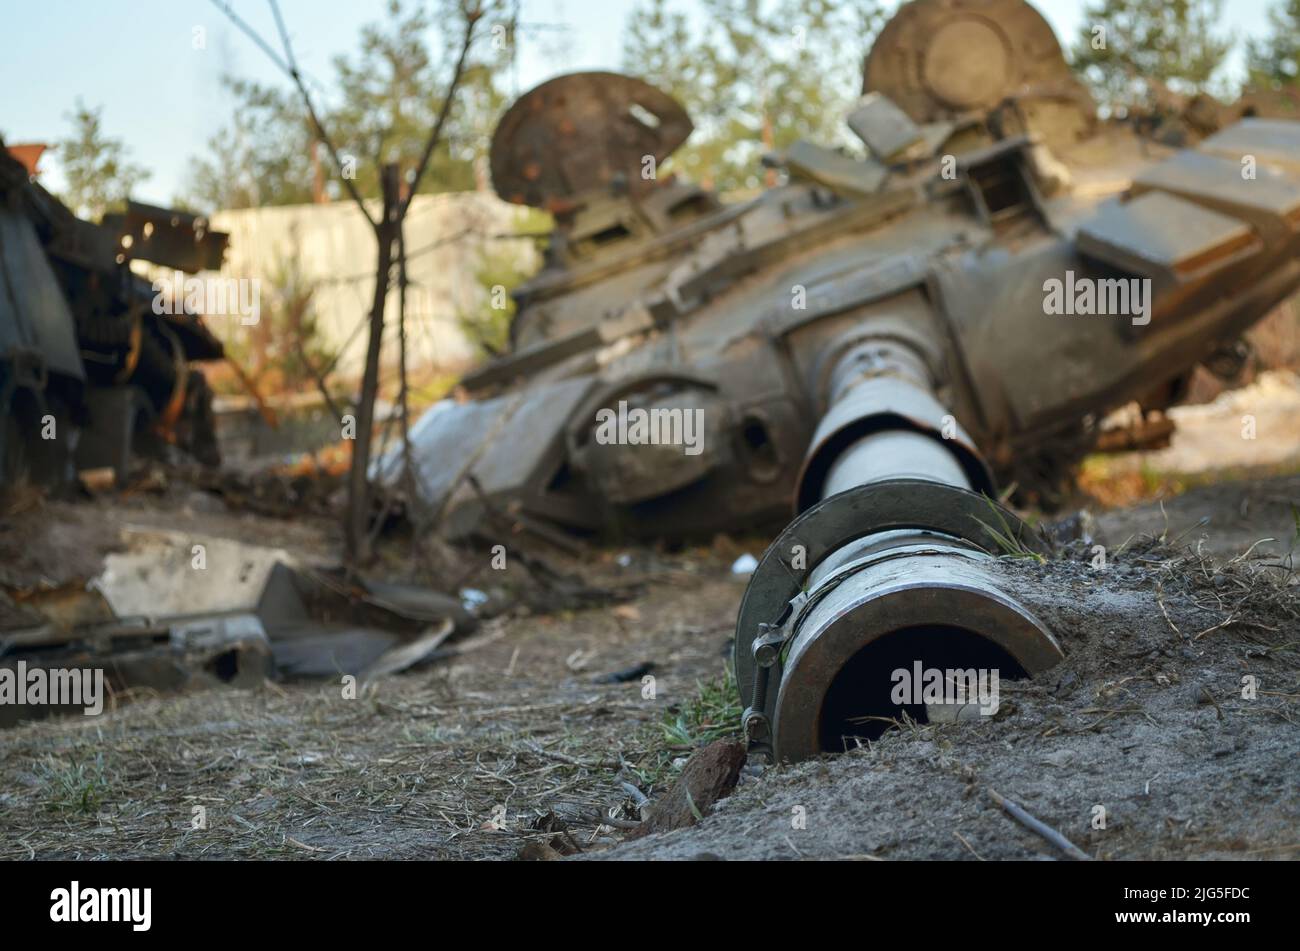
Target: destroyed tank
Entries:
(876, 347)
(93, 370)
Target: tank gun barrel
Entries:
(888, 565)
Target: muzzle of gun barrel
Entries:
(889, 571)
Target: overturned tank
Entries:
(877, 346)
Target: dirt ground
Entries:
(1145, 719)
(519, 737)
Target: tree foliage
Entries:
(98, 173)
(486, 324)
(1275, 60)
(385, 99)
(1125, 43)
(264, 156)
(753, 74)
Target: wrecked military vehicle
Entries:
(991, 193)
(92, 375)
(90, 372)
(878, 344)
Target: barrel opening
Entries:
(862, 698)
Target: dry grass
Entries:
(469, 759)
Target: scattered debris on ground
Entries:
(547, 735)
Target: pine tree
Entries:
(386, 98)
(99, 177)
(754, 75)
(1276, 59)
(1123, 44)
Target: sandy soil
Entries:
(1224, 518)
(1145, 719)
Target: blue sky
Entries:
(136, 59)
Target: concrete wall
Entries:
(332, 248)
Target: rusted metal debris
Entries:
(596, 129)
(150, 622)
